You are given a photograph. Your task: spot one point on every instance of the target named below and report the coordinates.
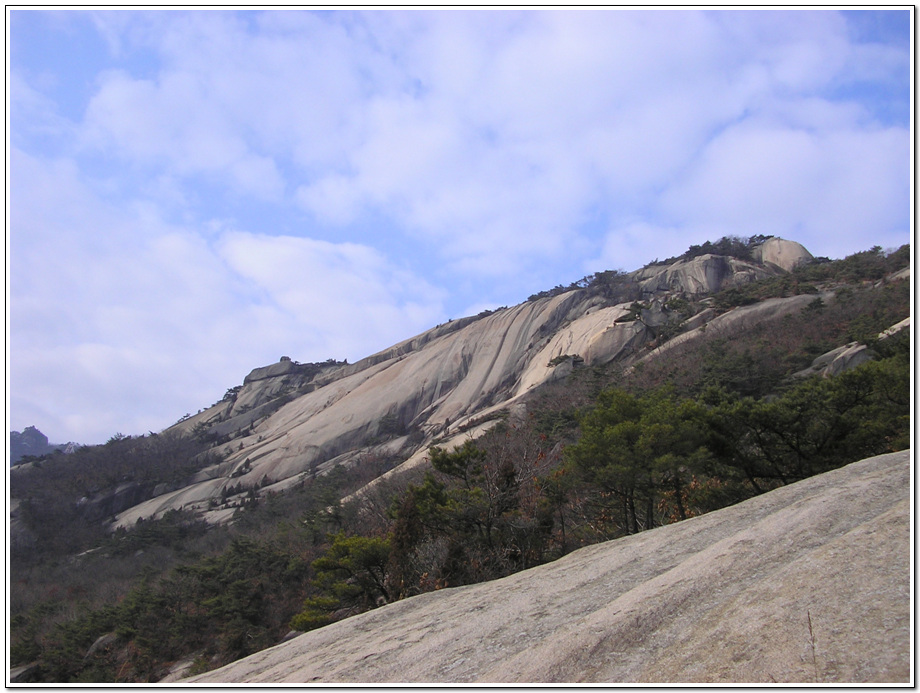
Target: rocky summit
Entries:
(809, 583)
(30, 442)
(289, 420)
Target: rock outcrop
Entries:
(20, 536)
(290, 420)
(782, 253)
(809, 583)
(705, 274)
(30, 441)
(848, 356)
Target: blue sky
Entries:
(193, 194)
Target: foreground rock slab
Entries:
(808, 583)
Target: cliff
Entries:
(289, 420)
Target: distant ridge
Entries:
(32, 442)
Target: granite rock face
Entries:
(782, 253)
(702, 275)
(290, 420)
(809, 583)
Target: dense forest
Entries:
(610, 451)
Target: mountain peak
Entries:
(288, 420)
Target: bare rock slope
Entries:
(291, 420)
(807, 583)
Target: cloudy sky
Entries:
(195, 194)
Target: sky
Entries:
(194, 194)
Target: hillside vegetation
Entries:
(604, 450)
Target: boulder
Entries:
(707, 323)
(27, 673)
(283, 367)
(894, 329)
(838, 360)
(781, 253)
(180, 669)
(126, 495)
(900, 275)
(20, 536)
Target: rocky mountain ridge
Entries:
(288, 420)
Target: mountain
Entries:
(290, 421)
(34, 443)
(809, 583)
(623, 406)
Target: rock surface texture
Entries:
(782, 253)
(807, 583)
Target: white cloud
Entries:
(353, 298)
(834, 191)
(243, 185)
(174, 123)
(498, 156)
(485, 135)
(636, 238)
(332, 200)
(32, 113)
(121, 321)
